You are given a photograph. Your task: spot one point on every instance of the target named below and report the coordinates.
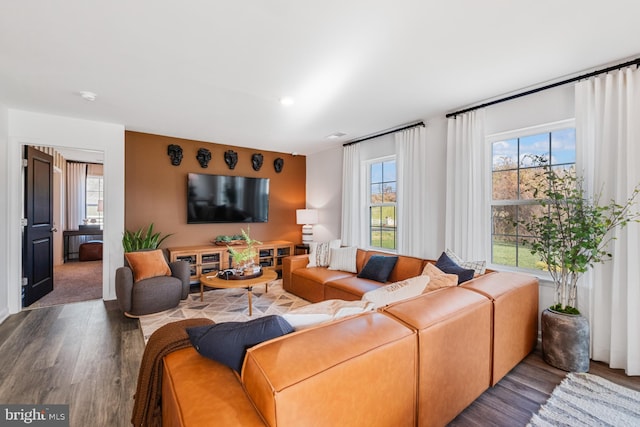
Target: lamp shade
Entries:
(306, 216)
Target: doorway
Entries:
(77, 220)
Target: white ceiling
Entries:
(214, 71)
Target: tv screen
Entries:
(221, 198)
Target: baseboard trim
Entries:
(4, 314)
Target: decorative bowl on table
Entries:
(232, 274)
(229, 242)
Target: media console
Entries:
(205, 259)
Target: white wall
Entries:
(26, 128)
(547, 106)
(324, 192)
(4, 224)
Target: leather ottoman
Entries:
(90, 251)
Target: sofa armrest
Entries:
(180, 270)
(124, 288)
(289, 265)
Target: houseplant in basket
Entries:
(569, 238)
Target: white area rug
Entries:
(588, 400)
(225, 305)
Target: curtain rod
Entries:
(549, 86)
(384, 132)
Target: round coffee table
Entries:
(267, 277)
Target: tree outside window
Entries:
(382, 204)
(516, 170)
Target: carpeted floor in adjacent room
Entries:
(73, 282)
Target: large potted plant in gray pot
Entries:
(570, 236)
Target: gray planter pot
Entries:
(565, 341)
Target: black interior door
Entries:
(37, 246)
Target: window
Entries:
(516, 167)
(94, 199)
(382, 204)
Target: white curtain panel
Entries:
(413, 202)
(353, 228)
(76, 194)
(467, 218)
(608, 149)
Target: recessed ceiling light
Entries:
(286, 100)
(336, 135)
(89, 96)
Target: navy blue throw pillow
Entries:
(228, 342)
(378, 268)
(449, 266)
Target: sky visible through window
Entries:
(563, 148)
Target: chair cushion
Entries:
(324, 311)
(397, 291)
(146, 264)
(319, 253)
(378, 268)
(447, 265)
(480, 267)
(155, 294)
(228, 342)
(343, 259)
(438, 278)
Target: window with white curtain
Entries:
(515, 163)
(382, 197)
(94, 205)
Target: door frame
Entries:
(49, 130)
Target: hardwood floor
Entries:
(87, 355)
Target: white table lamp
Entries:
(306, 218)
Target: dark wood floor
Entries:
(87, 355)
(84, 354)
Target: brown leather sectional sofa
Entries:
(417, 362)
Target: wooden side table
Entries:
(248, 284)
(302, 249)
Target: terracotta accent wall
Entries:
(156, 191)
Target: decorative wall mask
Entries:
(231, 158)
(278, 164)
(256, 161)
(204, 157)
(175, 152)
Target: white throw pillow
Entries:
(397, 291)
(313, 314)
(343, 259)
(480, 267)
(319, 253)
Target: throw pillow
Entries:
(438, 278)
(343, 259)
(228, 342)
(378, 268)
(480, 267)
(319, 253)
(447, 265)
(397, 291)
(147, 264)
(325, 311)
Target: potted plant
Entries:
(244, 258)
(142, 239)
(571, 236)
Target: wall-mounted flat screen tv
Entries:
(221, 198)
